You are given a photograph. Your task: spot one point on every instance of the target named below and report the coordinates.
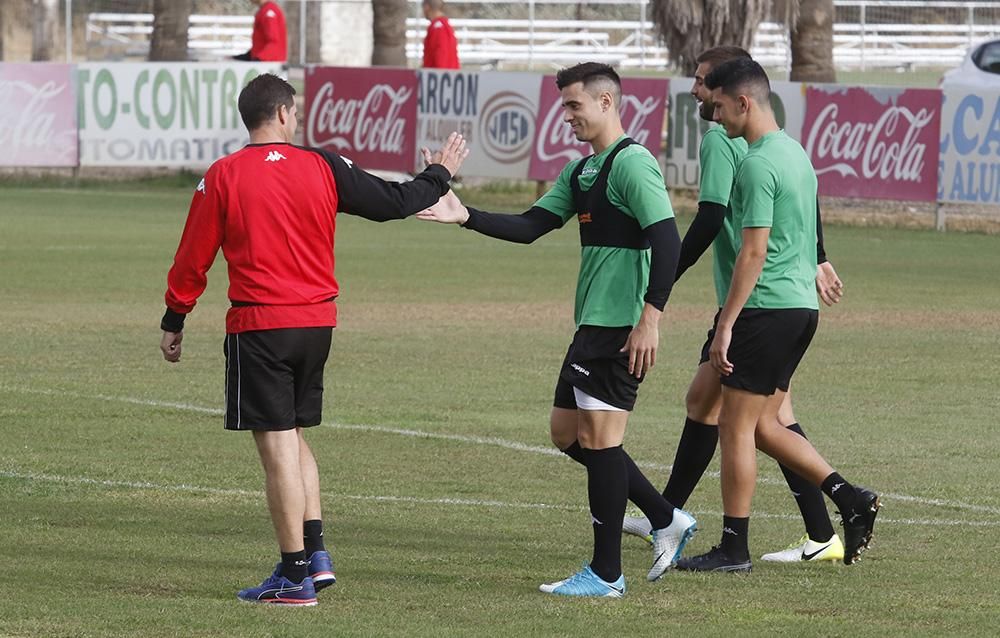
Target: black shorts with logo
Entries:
(766, 347)
(595, 365)
(274, 378)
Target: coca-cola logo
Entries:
(557, 141)
(885, 149)
(506, 127)
(369, 124)
(28, 120)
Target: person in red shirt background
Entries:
(440, 45)
(271, 208)
(269, 42)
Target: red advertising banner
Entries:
(873, 142)
(38, 115)
(366, 115)
(643, 107)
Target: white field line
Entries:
(375, 498)
(475, 440)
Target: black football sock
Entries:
(575, 452)
(313, 532)
(694, 452)
(809, 498)
(607, 488)
(641, 492)
(294, 566)
(840, 492)
(734, 537)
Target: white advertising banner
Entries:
(495, 111)
(685, 127)
(161, 114)
(37, 115)
(969, 165)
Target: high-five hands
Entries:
(448, 210)
(450, 155)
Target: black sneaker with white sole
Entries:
(859, 524)
(714, 560)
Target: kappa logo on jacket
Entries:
(274, 156)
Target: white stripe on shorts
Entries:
(586, 402)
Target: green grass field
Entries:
(126, 510)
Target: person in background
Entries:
(440, 45)
(269, 42)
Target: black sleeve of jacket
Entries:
(820, 250)
(665, 242)
(172, 321)
(361, 193)
(522, 229)
(700, 234)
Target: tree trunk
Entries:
(170, 30)
(43, 30)
(688, 27)
(2, 29)
(389, 31)
(812, 43)
(314, 31)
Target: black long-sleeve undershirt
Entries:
(665, 244)
(707, 224)
(521, 229)
(663, 238)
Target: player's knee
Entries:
(702, 406)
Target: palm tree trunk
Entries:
(389, 31)
(812, 43)
(313, 37)
(43, 18)
(170, 30)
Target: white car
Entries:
(980, 69)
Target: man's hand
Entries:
(451, 155)
(828, 284)
(170, 346)
(448, 210)
(642, 342)
(718, 351)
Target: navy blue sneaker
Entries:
(278, 590)
(321, 570)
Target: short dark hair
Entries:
(261, 97)
(719, 55)
(591, 73)
(741, 76)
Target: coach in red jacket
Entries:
(272, 208)
(269, 42)
(440, 45)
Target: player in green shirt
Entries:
(628, 259)
(768, 317)
(719, 156)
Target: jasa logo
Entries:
(585, 218)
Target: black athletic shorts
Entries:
(595, 365)
(767, 346)
(274, 378)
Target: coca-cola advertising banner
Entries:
(685, 127)
(869, 142)
(643, 104)
(969, 169)
(494, 111)
(366, 115)
(38, 115)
